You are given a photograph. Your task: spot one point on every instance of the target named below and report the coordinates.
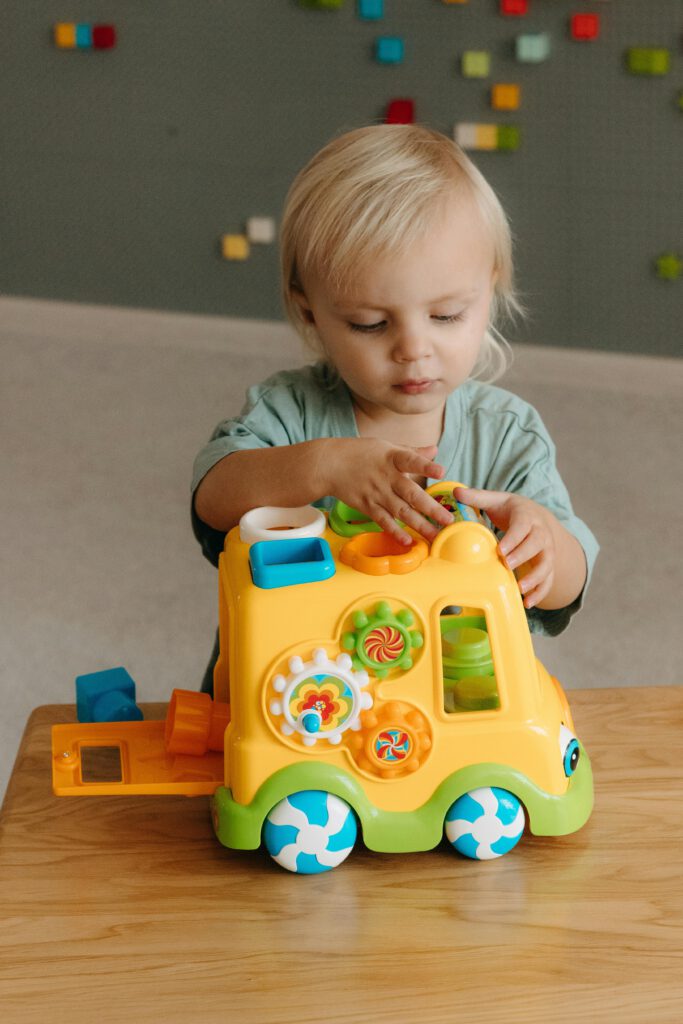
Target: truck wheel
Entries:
(485, 823)
(310, 832)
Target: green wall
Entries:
(121, 169)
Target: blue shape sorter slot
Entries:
(284, 563)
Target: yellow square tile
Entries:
(505, 96)
(487, 136)
(235, 247)
(65, 35)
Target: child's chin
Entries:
(415, 403)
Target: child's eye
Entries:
(368, 328)
(450, 318)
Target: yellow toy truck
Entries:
(360, 682)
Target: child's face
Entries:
(408, 331)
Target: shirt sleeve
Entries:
(272, 415)
(290, 407)
(525, 463)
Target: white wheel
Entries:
(310, 832)
(485, 823)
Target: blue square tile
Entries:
(371, 10)
(389, 49)
(83, 36)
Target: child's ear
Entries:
(305, 311)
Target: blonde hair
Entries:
(375, 190)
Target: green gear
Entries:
(382, 620)
(348, 522)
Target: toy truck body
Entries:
(361, 683)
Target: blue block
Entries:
(371, 10)
(284, 563)
(389, 49)
(83, 36)
(107, 696)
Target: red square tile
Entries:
(514, 7)
(103, 37)
(585, 26)
(400, 112)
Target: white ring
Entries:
(269, 523)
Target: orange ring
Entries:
(378, 554)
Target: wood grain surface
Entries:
(126, 909)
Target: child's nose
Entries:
(410, 343)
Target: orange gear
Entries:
(195, 723)
(393, 741)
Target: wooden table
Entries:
(126, 909)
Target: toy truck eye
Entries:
(569, 746)
(571, 758)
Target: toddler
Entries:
(396, 266)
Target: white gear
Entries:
(341, 668)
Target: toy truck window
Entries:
(469, 678)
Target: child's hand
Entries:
(529, 539)
(373, 476)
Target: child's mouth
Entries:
(414, 387)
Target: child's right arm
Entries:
(368, 474)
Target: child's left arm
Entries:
(552, 562)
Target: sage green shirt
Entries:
(491, 439)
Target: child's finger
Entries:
(535, 596)
(535, 576)
(418, 523)
(513, 538)
(388, 523)
(517, 552)
(409, 460)
(438, 513)
(423, 503)
(481, 499)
